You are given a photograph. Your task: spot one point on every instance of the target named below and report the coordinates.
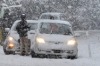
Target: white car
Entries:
(54, 38)
(11, 44)
(53, 16)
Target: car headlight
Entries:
(40, 40)
(71, 42)
(10, 38)
(11, 45)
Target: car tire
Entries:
(13, 52)
(33, 54)
(76, 56)
(73, 57)
(6, 52)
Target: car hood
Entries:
(55, 42)
(54, 37)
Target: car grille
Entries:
(53, 42)
(57, 51)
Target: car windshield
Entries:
(33, 26)
(48, 17)
(55, 28)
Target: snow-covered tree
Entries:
(83, 14)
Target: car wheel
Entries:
(33, 54)
(68, 57)
(73, 57)
(13, 52)
(40, 56)
(6, 52)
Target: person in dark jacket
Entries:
(22, 29)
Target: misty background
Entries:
(82, 14)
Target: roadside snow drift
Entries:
(89, 55)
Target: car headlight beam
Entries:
(40, 40)
(11, 45)
(71, 42)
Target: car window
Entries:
(33, 26)
(55, 28)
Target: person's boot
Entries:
(22, 53)
(26, 54)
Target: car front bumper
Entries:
(62, 53)
(11, 48)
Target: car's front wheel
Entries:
(6, 52)
(73, 57)
(33, 54)
(13, 52)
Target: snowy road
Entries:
(89, 55)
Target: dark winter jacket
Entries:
(22, 28)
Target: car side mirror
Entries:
(7, 29)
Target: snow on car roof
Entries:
(16, 22)
(52, 13)
(30, 21)
(55, 21)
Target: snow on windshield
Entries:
(55, 28)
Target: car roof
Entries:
(54, 21)
(29, 21)
(52, 13)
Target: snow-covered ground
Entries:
(89, 55)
